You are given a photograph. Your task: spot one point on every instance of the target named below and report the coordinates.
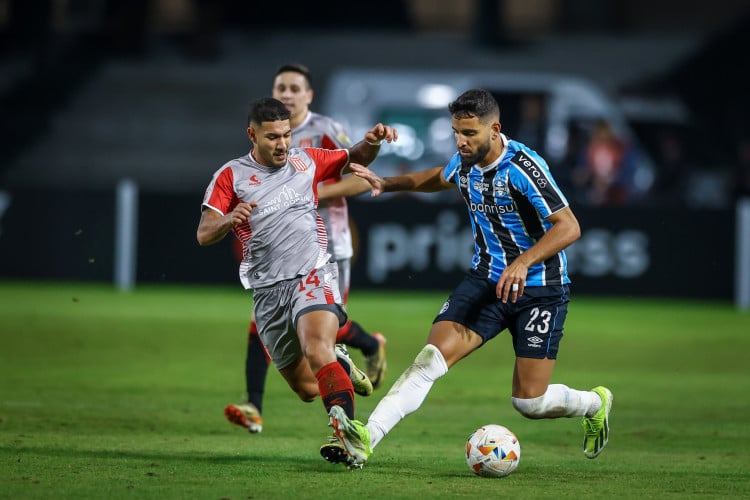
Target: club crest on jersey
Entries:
(298, 163)
(500, 187)
(306, 143)
(254, 181)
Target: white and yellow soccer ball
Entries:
(492, 451)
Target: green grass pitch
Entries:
(105, 394)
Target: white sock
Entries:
(407, 393)
(559, 401)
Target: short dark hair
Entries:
(267, 109)
(296, 68)
(475, 102)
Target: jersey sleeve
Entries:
(220, 195)
(532, 178)
(328, 162)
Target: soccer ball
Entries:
(492, 451)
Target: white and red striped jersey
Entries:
(318, 131)
(284, 236)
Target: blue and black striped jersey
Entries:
(508, 203)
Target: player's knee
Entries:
(530, 408)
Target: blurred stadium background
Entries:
(115, 114)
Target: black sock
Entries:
(256, 368)
(352, 334)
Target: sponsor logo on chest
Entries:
(286, 198)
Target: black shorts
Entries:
(535, 321)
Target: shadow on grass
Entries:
(302, 464)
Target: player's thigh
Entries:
(318, 314)
(317, 329)
(537, 329)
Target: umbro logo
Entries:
(254, 181)
(535, 341)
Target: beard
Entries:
(481, 152)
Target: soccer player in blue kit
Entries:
(518, 281)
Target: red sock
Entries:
(336, 388)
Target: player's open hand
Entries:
(377, 182)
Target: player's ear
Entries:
(251, 134)
(495, 130)
(310, 94)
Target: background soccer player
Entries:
(293, 86)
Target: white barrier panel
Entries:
(742, 255)
(126, 234)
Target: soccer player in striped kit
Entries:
(268, 199)
(518, 280)
(293, 86)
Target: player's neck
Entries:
(296, 121)
(496, 152)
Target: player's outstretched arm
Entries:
(213, 226)
(351, 185)
(425, 181)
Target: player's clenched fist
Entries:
(380, 133)
(213, 226)
(241, 212)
